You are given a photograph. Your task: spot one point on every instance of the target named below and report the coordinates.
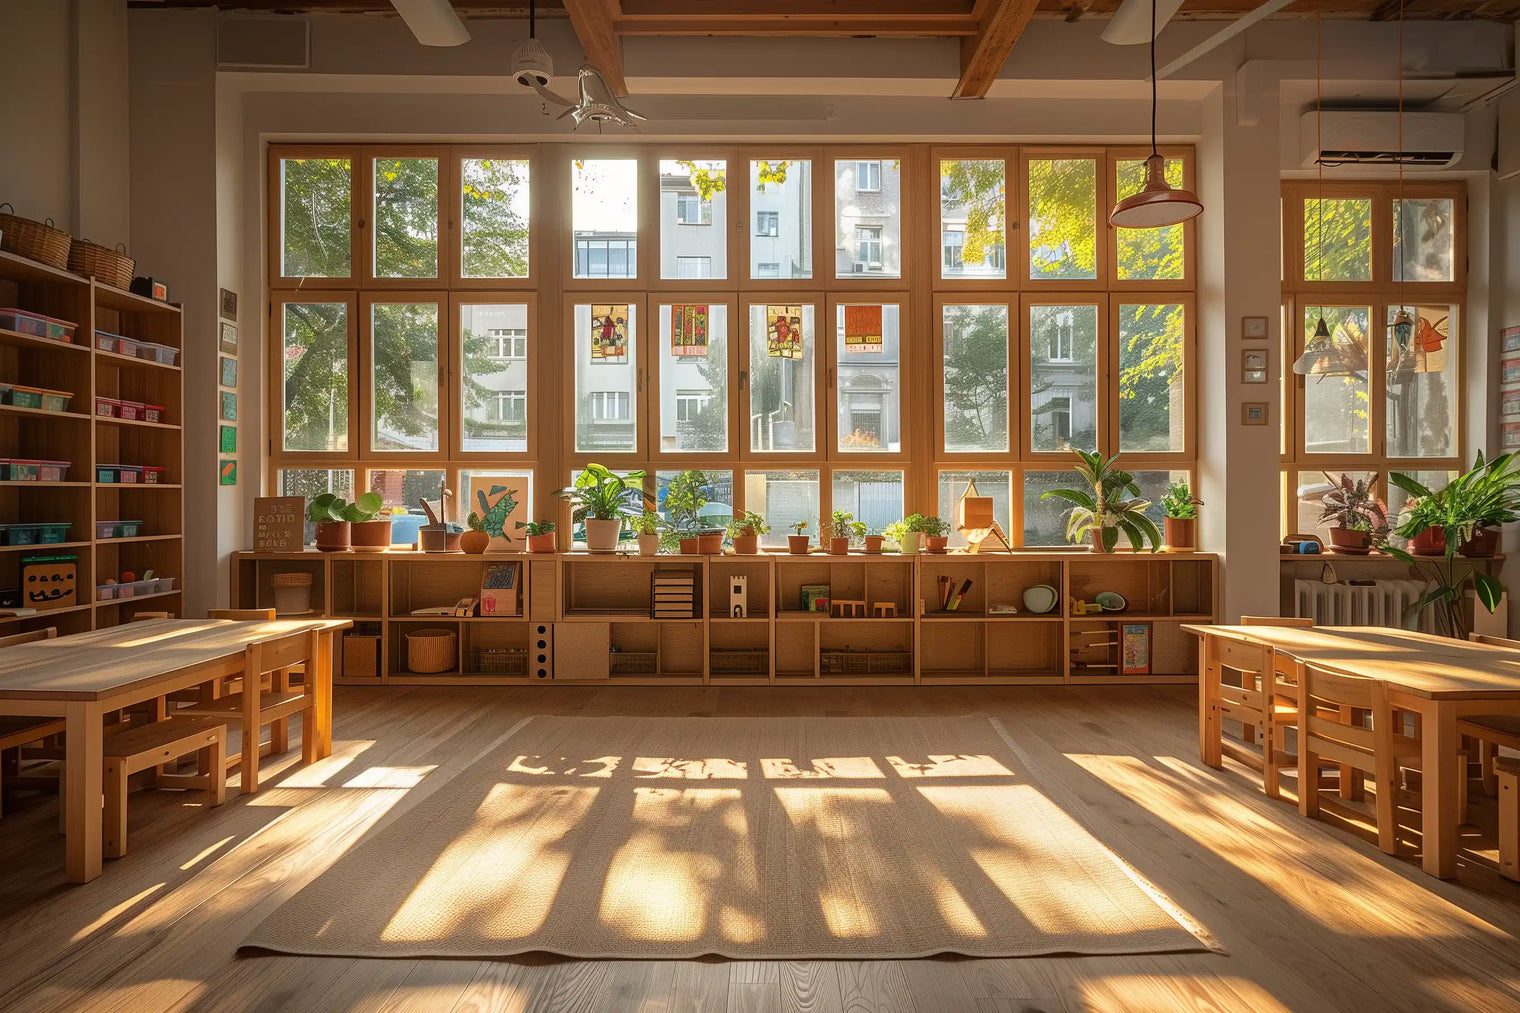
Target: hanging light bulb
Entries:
(1157, 205)
(1319, 351)
(1403, 327)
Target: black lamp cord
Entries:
(1154, 83)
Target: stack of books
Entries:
(673, 594)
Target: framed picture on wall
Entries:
(229, 406)
(229, 339)
(1254, 413)
(229, 372)
(228, 473)
(226, 304)
(1253, 365)
(227, 441)
(1253, 328)
(1509, 339)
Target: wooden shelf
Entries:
(43, 613)
(136, 485)
(136, 538)
(117, 359)
(16, 339)
(103, 420)
(120, 299)
(46, 547)
(48, 485)
(10, 409)
(138, 597)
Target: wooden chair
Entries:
(154, 745)
(1253, 703)
(1491, 731)
(1509, 817)
(230, 683)
(16, 732)
(275, 658)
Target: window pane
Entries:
(1336, 407)
(316, 212)
(404, 384)
(781, 377)
(1152, 412)
(1148, 254)
(869, 383)
(694, 378)
(1422, 383)
(783, 498)
(972, 218)
(316, 376)
(781, 197)
(406, 217)
(1063, 218)
(693, 219)
(875, 498)
(1309, 498)
(976, 378)
(1338, 239)
(606, 377)
(867, 218)
(508, 493)
(494, 195)
(313, 482)
(1422, 240)
(692, 501)
(494, 384)
(1063, 377)
(1045, 519)
(401, 487)
(604, 212)
(998, 485)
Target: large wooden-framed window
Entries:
(1354, 253)
(857, 327)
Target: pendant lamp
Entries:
(1157, 205)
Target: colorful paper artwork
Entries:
(229, 338)
(494, 498)
(229, 406)
(783, 332)
(1135, 651)
(1509, 339)
(1509, 436)
(228, 439)
(688, 330)
(609, 333)
(229, 372)
(862, 329)
(228, 474)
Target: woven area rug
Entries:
(759, 838)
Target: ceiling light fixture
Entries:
(1157, 205)
(533, 68)
(1320, 356)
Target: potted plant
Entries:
(1465, 515)
(1108, 507)
(905, 534)
(603, 500)
(935, 532)
(648, 525)
(873, 544)
(745, 530)
(336, 520)
(476, 539)
(797, 544)
(540, 535)
(1360, 519)
(1180, 509)
(841, 529)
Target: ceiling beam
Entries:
(592, 21)
(999, 25)
(875, 25)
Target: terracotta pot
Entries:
(1181, 534)
(541, 543)
(1430, 542)
(691, 546)
(649, 543)
(710, 545)
(1483, 544)
(873, 544)
(746, 545)
(602, 536)
(475, 542)
(1347, 538)
(1097, 539)
(839, 546)
(371, 536)
(910, 542)
(938, 543)
(333, 536)
(797, 545)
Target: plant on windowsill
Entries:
(648, 525)
(842, 529)
(1179, 508)
(1361, 520)
(797, 544)
(1108, 507)
(540, 535)
(934, 531)
(476, 539)
(685, 498)
(745, 530)
(604, 501)
(339, 523)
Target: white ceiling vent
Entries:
(1372, 137)
(251, 42)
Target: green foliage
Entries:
(647, 523)
(1337, 239)
(800, 527)
(474, 522)
(536, 528)
(708, 179)
(927, 525)
(684, 500)
(493, 517)
(330, 506)
(976, 379)
(1179, 503)
(748, 523)
(843, 525)
(316, 223)
(977, 185)
(770, 172)
(405, 218)
(1110, 505)
(1063, 230)
(495, 237)
(1485, 496)
(1149, 254)
(1352, 505)
(893, 535)
(600, 495)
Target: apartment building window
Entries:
(868, 177)
(767, 223)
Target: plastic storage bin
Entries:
(56, 400)
(152, 474)
(34, 534)
(23, 322)
(22, 396)
(53, 471)
(61, 330)
(126, 346)
(107, 474)
(19, 469)
(132, 411)
(106, 407)
(153, 412)
(117, 529)
(162, 585)
(107, 342)
(106, 592)
(157, 353)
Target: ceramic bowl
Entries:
(1041, 598)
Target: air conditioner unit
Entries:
(858, 267)
(1372, 137)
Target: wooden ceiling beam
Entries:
(798, 24)
(593, 24)
(999, 25)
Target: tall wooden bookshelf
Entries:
(87, 441)
(586, 618)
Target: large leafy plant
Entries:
(1351, 504)
(843, 525)
(1109, 506)
(600, 495)
(332, 507)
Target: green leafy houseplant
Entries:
(476, 539)
(1359, 517)
(797, 543)
(1108, 507)
(1179, 509)
(540, 535)
(745, 530)
(648, 525)
(603, 500)
(334, 519)
(842, 528)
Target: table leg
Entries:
(249, 767)
(328, 659)
(1208, 704)
(1439, 791)
(84, 747)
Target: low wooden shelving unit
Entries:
(585, 618)
(87, 441)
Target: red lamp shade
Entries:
(1156, 206)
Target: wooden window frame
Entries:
(275, 387)
(454, 202)
(699, 460)
(277, 153)
(484, 297)
(447, 233)
(393, 458)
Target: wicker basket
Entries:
(113, 267)
(38, 241)
(631, 662)
(502, 660)
(738, 660)
(865, 662)
(292, 593)
(431, 651)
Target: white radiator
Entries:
(1381, 603)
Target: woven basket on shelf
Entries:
(38, 241)
(431, 650)
(102, 263)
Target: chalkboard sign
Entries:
(279, 523)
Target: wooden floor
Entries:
(1313, 917)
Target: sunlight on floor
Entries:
(205, 854)
(692, 770)
(390, 777)
(112, 913)
(1148, 992)
(950, 765)
(823, 767)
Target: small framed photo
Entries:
(1253, 328)
(1510, 370)
(1509, 435)
(226, 304)
(1254, 413)
(229, 338)
(228, 439)
(229, 372)
(1509, 402)
(229, 406)
(1509, 339)
(1253, 365)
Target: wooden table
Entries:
(82, 677)
(1439, 678)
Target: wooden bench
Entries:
(1491, 731)
(16, 732)
(154, 745)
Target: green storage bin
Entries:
(26, 397)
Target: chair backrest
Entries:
(1330, 700)
(139, 617)
(243, 615)
(1298, 622)
(47, 633)
(1484, 638)
(281, 653)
